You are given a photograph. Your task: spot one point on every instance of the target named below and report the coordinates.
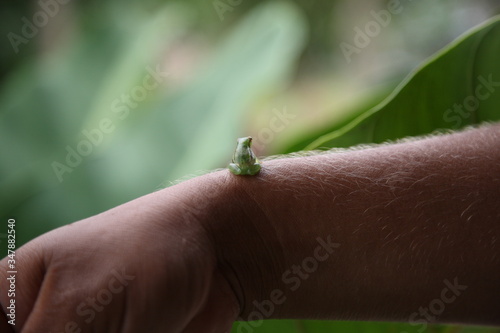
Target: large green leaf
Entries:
(459, 86)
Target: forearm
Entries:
(406, 217)
(375, 234)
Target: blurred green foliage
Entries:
(99, 122)
(107, 101)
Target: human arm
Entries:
(409, 219)
(406, 217)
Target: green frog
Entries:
(244, 160)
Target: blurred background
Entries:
(104, 101)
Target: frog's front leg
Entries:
(234, 168)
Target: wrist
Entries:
(263, 236)
(247, 249)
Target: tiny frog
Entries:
(244, 161)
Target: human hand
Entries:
(147, 265)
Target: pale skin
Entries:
(196, 256)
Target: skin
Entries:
(244, 161)
(401, 220)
